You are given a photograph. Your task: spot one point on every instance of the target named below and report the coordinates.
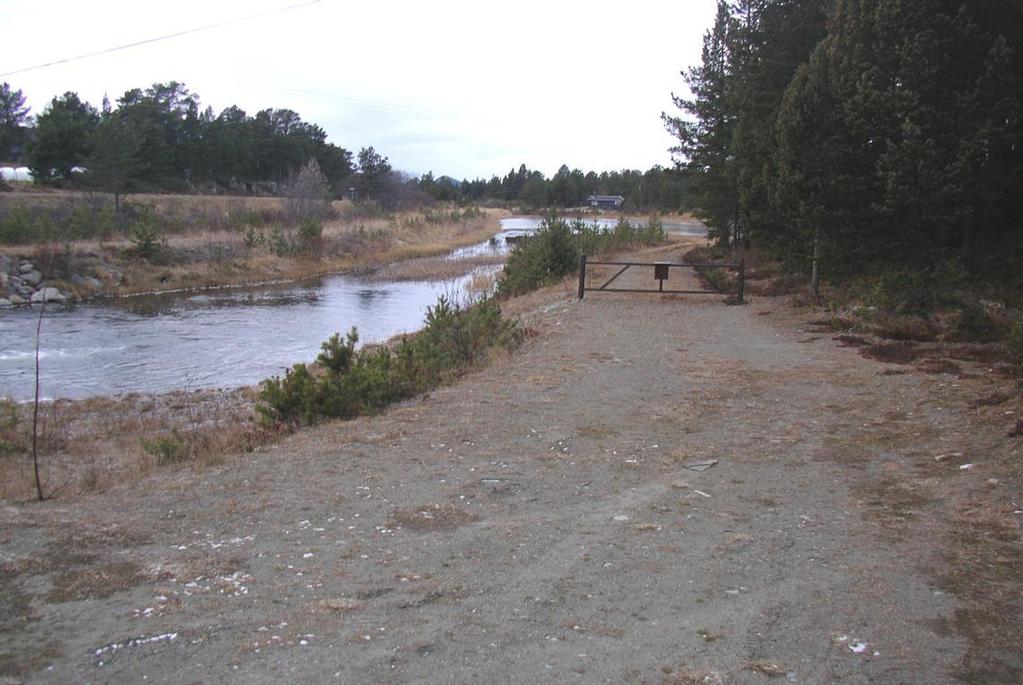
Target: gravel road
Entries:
(547, 519)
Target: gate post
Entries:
(742, 280)
(582, 275)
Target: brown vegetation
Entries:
(94, 444)
(214, 241)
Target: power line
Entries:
(160, 38)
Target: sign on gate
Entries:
(662, 271)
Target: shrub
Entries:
(553, 251)
(254, 238)
(307, 194)
(291, 399)
(350, 382)
(147, 238)
(1015, 343)
(310, 229)
(279, 242)
(547, 256)
(166, 449)
(975, 323)
(11, 441)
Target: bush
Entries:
(310, 229)
(975, 323)
(1015, 343)
(545, 257)
(553, 251)
(166, 449)
(11, 441)
(147, 239)
(349, 382)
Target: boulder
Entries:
(16, 300)
(87, 281)
(33, 278)
(4, 302)
(25, 267)
(48, 295)
(6, 264)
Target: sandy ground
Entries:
(538, 522)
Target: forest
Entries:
(852, 137)
(161, 139)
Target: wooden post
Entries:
(582, 276)
(742, 280)
(815, 274)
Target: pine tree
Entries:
(705, 130)
(63, 138)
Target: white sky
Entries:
(460, 88)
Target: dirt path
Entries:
(538, 522)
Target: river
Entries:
(216, 338)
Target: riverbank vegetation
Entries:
(873, 150)
(172, 242)
(94, 444)
(347, 382)
(553, 252)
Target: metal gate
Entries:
(661, 274)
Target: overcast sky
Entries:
(460, 88)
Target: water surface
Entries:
(217, 338)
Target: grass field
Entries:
(203, 241)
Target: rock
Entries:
(6, 264)
(48, 295)
(87, 281)
(32, 277)
(4, 302)
(25, 267)
(16, 300)
(14, 281)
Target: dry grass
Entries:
(433, 268)
(210, 242)
(95, 582)
(893, 353)
(94, 444)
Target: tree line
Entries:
(860, 135)
(161, 138)
(657, 189)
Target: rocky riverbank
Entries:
(22, 283)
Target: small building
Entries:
(606, 201)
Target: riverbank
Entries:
(211, 241)
(653, 488)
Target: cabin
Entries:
(606, 201)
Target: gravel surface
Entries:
(651, 489)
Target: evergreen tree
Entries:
(374, 171)
(13, 116)
(705, 130)
(63, 138)
(114, 164)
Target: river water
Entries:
(216, 338)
